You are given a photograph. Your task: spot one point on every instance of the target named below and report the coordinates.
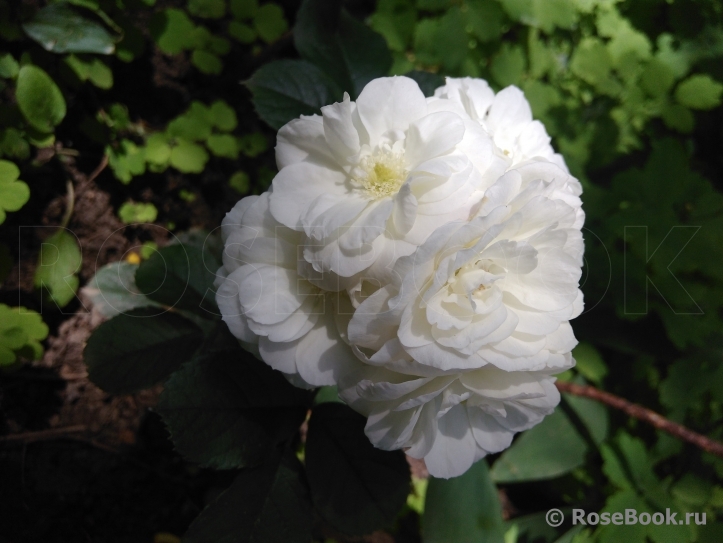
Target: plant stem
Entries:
(644, 414)
(69, 205)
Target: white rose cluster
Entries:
(424, 255)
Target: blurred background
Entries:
(132, 124)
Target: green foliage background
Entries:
(630, 92)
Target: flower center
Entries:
(382, 173)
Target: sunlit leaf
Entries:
(39, 98)
(58, 264)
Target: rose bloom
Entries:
(293, 325)
(368, 181)
(460, 345)
(422, 253)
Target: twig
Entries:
(69, 205)
(44, 434)
(99, 168)
(643, 413)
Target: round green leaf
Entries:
(58, 263)
(240, 182)
(270, 23)
(699, 91)
(223, 145)
(39, 98)
(188, 157)
(131, 212)
(206, 62)
(13, 195)
(241, 32)
(9, 172)
(223, 116)
(158, 151)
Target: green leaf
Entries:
(240, 182)
(589, 362)
(131, 212)
(93, 69)
(591, 61)
(241, 32)
(223, 116)
(268, 504)
(178, 276)
(61, 29)
(269, 22)
(356, 487)
(21, 330)
(395, 20)
(347, 50)
(228, 410)
(192, 125)
(508, 65)
(223, 145)
(206, 62)
(9, 67)
(58, 263)
(188, 157)
(113, 290)
(172, 30)
(550, 449)
(137, 349)
(678, 118)
(285, 89)
(208, 9)
(127, 160)
(39, 98)
(253, 144)
(486, 19)
(14, 194)
(699, 91)
(657, 78)
(244, 9)
(427, 81)
(464, 509)
(158, 150)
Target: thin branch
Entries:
(643, 413)
(51, 433)
(101, 166)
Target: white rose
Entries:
(499, 289)
(506, 115)
(460, 345)
(451, 420)
(293, 325)
(368, 181)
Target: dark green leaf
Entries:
(178, 276)
(268, 504)
(138, 349)
(346, 49)
(113, 290)
(285, 89)
(61, 29)
(464, 509)
(39, 98)
(548, 450)
(227, 409)
(427, 81)
(356, 487)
